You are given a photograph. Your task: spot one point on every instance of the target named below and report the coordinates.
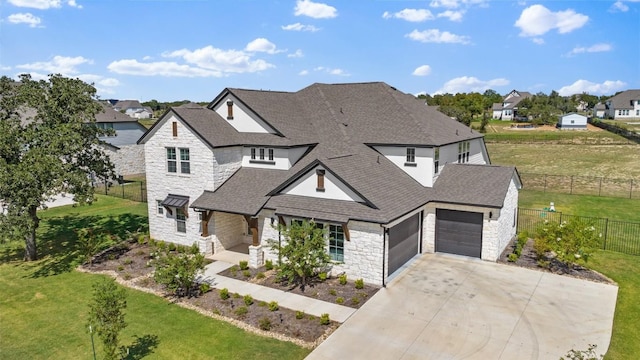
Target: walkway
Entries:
(296, 302)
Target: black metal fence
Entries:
(582, 185)
(131, 190)
(618, 236)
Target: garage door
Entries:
(459, 232)
(403, 242)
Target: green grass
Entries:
(594, 206)
(44, 304)
(625, 270)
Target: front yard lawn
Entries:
(44, 304)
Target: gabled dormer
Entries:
(240, 115)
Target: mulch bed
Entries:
(130, 264)
(529, 259)
(329, 290)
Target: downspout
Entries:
(385, 232)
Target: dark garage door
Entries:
(403, 242)
(459, 232)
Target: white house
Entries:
(121, 146)
(508, 108)
(624, 106)
(572, 121)
(388, 177)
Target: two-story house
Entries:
(388, 177)
(508, 108)
(121, 146)
(624, 106)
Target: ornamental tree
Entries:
(48, 145)
(106, 314)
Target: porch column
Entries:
(206, 217)
(253, 225)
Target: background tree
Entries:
(48, 145)
(106, 314)
(302, 250)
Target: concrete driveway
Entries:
(448, 307)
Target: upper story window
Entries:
(172, 160)
(411, 156)
(463, 152)
(436, 160)
(262, 155)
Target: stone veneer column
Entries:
(256, 256)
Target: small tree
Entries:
(106, 314)
(178, 272)
(302, 251)
(572, 240)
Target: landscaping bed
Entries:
(131, 264)
(330, 290)
(529, 259)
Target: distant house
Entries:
(508, 109)
(600, 110)
(122, 148)
(572, 121)
(133, 108)
(145, 113)
(624, 106)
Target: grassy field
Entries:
(625, 270)
(44, 304)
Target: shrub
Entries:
(127, 276)
(171, 247)
(120, 267)
(246, 273)
(268, 265)
(260, 276)
(322, 276)
(244, 265)
(142, 239)
(273, 306)
(339, 300)
(161, 245)
(248, 300)
(299, 315)
(359, 284)
(90, 244)
(216, 311)
(572, 241)
(233, 270)
(127, 262)
(513, 257)
(204, 288)
(324, 319)
(355, 301)
(342, 279)
(194, 249)
(224, 293)
(333, 292)
(178, 272)
(236, 296)
(262, 303)
(241, 311)
(265, 324)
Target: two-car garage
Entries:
(459, 232)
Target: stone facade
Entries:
(127, 159)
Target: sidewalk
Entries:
(296, 302)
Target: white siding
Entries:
(333, 187)
(243, 120)
(283, 159)
(573, 121)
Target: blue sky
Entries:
(175, 50)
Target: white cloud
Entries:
(465, 84)
(59, 64)
(436, 36)
(601, 47)
(315, 10)
(262, 45)
(36, 4)
(423, 70)
(454, 4)
(580, 86)
(619, 6)
(412, 15)
(98, 80)
(303, 72)
(452, 15)
(332, 71)
(146, 58)
(537, 20)
(538, 41)
(297, 54)
(300, 27)
(73, 3)
(218, 60)
(159, 68)
(24, 18)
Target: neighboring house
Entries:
(126, 155)
(624, 106)
(582, 106)
(145, 113)
(388, 177)
(131, 107)
(599, 110)
(572, 121)
(508, 109)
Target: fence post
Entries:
(122, 186)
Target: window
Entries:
(336, 243)
(261, 153)
(181, 221)
(463, 152)
(185, 166)
(253, 153)
(436, 160)
(159, 207)
(637, 112)
(171, 160)
(619, 112)
(270, 154)
(411, 155)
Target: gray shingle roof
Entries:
(481, 185)
(112, 116)
(623, 100)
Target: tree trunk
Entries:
(31, 253)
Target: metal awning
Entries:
(177, 201)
